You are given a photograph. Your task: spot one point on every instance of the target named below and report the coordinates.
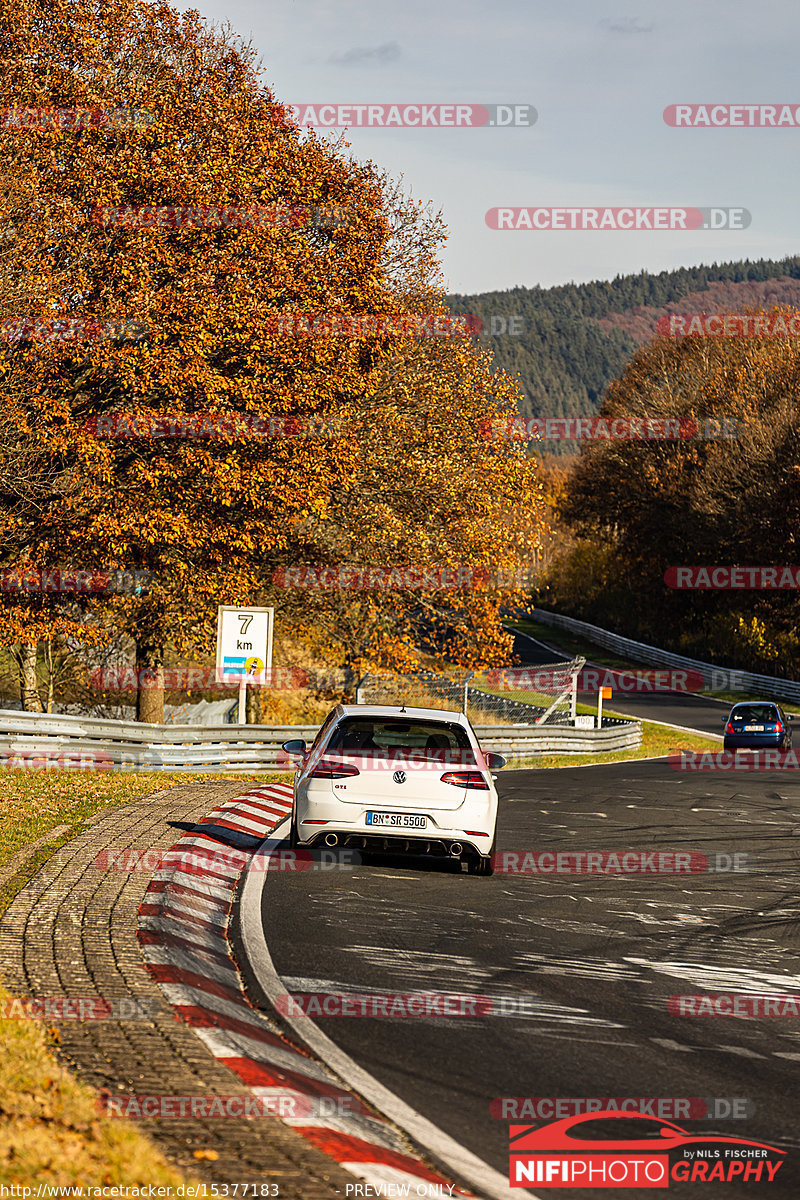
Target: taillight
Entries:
(466, 779)
(333, 770)
(729, 727)
(778, 727)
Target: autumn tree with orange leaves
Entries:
(642, 507)
(213, 519)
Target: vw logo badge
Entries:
(399, 777)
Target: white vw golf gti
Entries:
(407, 780)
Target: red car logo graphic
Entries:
(586, 1151)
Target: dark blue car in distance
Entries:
(757, 725)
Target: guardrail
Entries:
(93, 743)
(717, 678)
(528, 740)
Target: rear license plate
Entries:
(396, 820)
(754, 728)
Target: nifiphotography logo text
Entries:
(615, 1149)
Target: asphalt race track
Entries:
(588, 961)
(669, 708)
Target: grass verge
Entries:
(52, 1133)
(33, 802)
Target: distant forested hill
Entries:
(577, 337)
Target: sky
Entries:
(599, 74)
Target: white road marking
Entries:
(740, 1050)
(669, 1044)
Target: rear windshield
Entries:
(755, 714)
(358, 734)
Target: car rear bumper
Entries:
(442, 828)
(457, 846)
(754, 741)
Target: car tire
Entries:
(481, 864)
(293, 835)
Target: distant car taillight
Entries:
(466, 779)
(333, 770)
(778, 727)
(729, 727)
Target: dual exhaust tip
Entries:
(456, 849)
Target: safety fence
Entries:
(716, 678)
(489, 697)
(43, 741)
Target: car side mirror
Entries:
(295, 746)
(494, 761)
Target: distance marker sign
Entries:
(244, 644)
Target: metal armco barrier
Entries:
(518, 741)
(95, 744)
(718, 678)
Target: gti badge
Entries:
(399, 777)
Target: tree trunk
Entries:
(50, 688)
(353, 678)
(150, 678)
(28, 690)
(253, 706)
